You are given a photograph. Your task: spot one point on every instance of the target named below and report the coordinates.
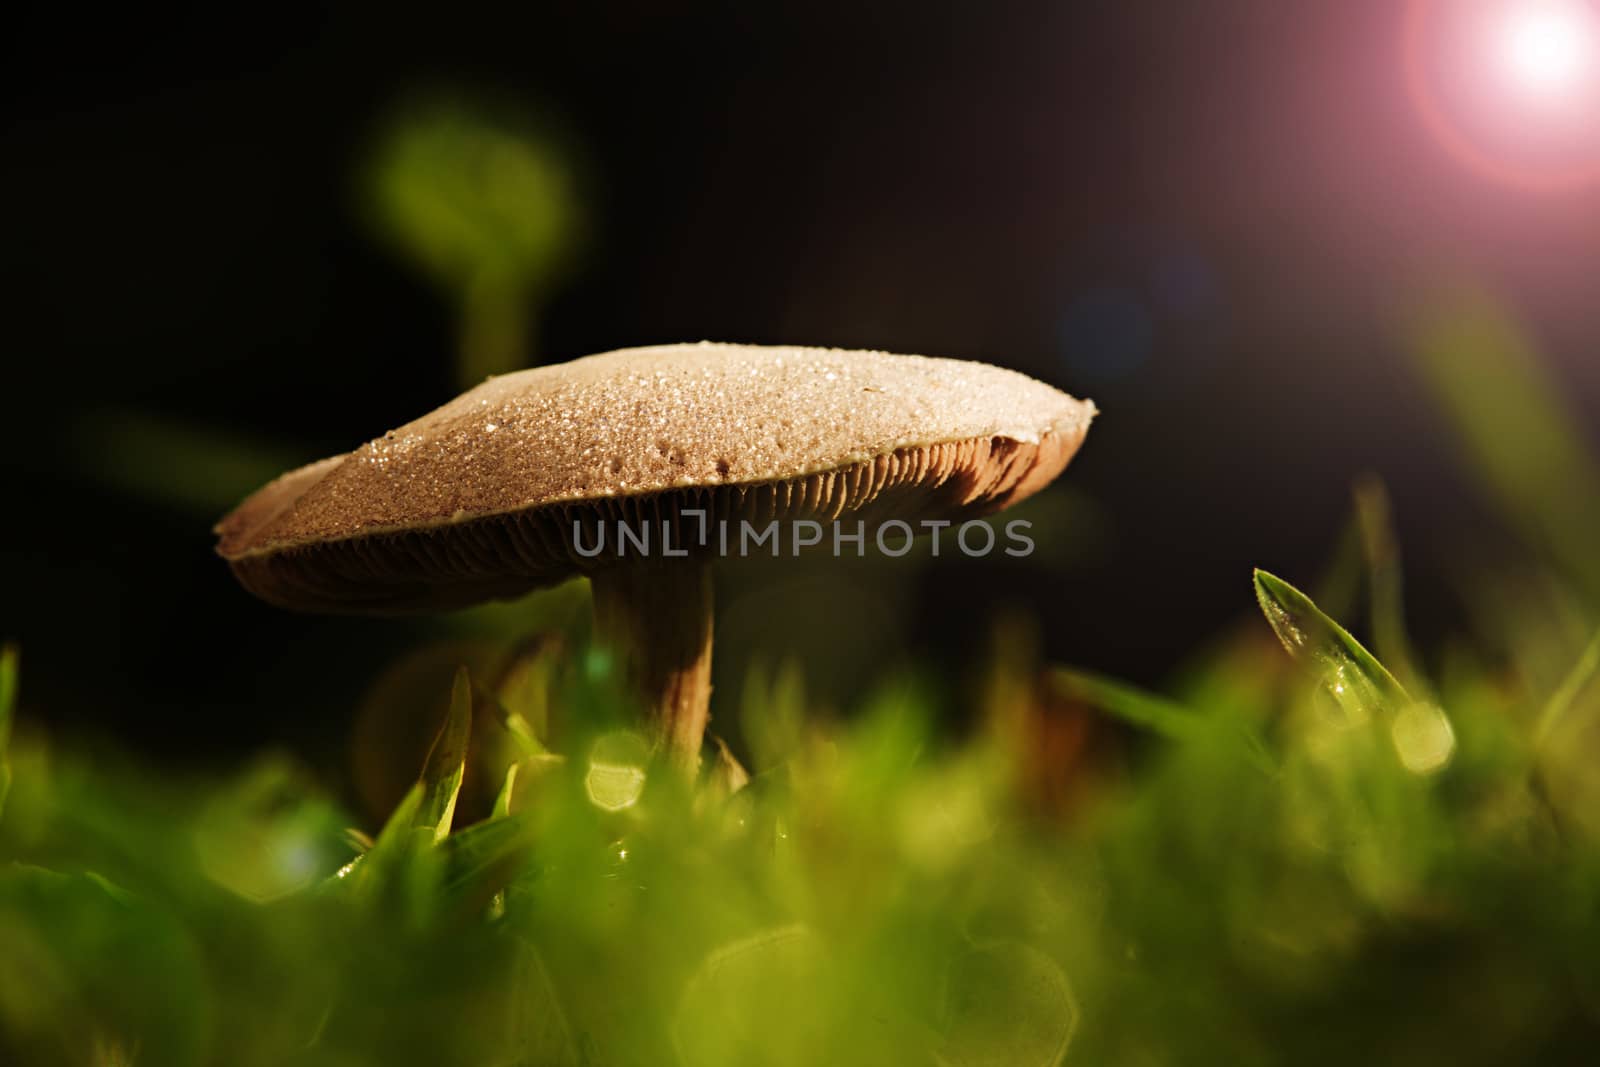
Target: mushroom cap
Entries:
(477, 499)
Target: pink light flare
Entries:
(1511, 87)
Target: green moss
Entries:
(1294, 864)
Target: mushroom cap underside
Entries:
(499, 556)
(477, 499)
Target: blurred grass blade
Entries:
(401, 862)
(486, 203)
(388, 849)
(502, 810)
(8, 703)
(480, 861)
(727, 775)
(522, 733)
(1133, 706)
(1520, 438)
(502, 800)
(197, 469)
(447, 762)
(1354, 677)
(397, 829)
(1560, 703)
(359, 841)
(773, 712)
(542, 1033)
(1374, 519)
(1147, 711)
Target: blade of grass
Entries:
(1374, 518)
(368, 869)
(1147, 711)
(482, 858)
(543, 1033)
(773, 712)
(8, 701)
(1352, 674)
(397, 828)
(447, 762)
(1560, 703)
(522, 733)
(502, 800)
(726, 775)
(198, 469)
(502, 810)
(1521, 438)
(1134, 706)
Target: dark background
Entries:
(1212, 218)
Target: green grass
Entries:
(1292, 859)
(1307, 850)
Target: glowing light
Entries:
(1510, 87)
(1549, 49)
(614, 786)
(1423, 738)
(617, 771)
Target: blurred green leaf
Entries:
(487, 205)
(726, 775)
(1128, 703)
(398, 826)
(468, 192)
(1520, 438)
(1147, 711)
(773, 712)
(481, 859)
(84, 964)
(1561, 701)
(522, 703)
(1375, 521)
(8, 701)
(204, 471)
(368, 870)
(542, 1034)
(267, 832)
(881, 900)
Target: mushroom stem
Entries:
(656, 617)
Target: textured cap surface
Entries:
(609, 431)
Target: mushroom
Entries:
(659, 451)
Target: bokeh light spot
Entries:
(1106, 333)
(1423, 738)
(1186, 284)
(617, 770)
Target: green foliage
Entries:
(486, 205)
(1520, 438)
(1572, 688)
(447, 762)
(201, 471)
(8, 701)
(1303, 867)
(1354, 678)
(1328, 857)
(470, 191)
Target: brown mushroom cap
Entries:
(477, 499)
